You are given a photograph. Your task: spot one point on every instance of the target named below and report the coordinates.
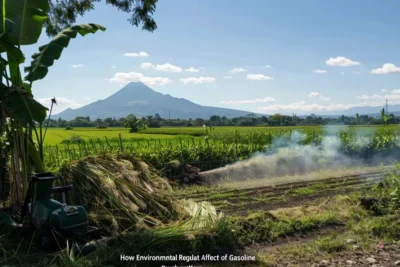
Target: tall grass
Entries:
(220, 148)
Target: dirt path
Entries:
(387, 256)
(242, 198)
(239, 200)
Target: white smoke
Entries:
(287, 156)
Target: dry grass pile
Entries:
(120, 192)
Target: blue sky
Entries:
(298, 57)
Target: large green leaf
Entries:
(23, 20)
(52, 51)
(14, 54)
(20, 105)
(3, 17)
(15, 74)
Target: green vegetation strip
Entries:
(222, 146)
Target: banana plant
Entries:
(21, 23)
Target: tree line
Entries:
(135, 123)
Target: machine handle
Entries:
(62, 189)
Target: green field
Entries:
(217, 147)
(57, 135)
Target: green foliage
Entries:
(23, 20)
(390, 190)
(330, 244)
(304, 191)
(263, 226)
(21, 23)
(75, 139)
(21, 106)
(52, 51)
(387, 227)
(63, 13)
(222, 146)
(135, 124)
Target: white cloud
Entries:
(191, 69)
(268, 66)
(383, 90)
(319, 96)
(147, 65)
(163, 67)
(341, 62)
(87, 98)
(258, 77)
(302, 106)
(78, 65)
(114, 67)
(365, 97)
(393, 97)
(198, 80)
(140, 54)
(237, 70)
(227, 77)
(319, 71)
(342, 73)
(252, 101)
(126, 77)
(387, 68)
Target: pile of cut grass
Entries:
(120, 192)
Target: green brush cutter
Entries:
(51, 222)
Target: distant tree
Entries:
(199, 122)
(121, 121)
(157, 117)
(63, 13)
(276, 117)
(384, 117)
(135, 124)
(251, 115)
(109, 122)
(264, 119)
(98, 122)
(215, 118)
(358, 118)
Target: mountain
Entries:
(366, 110)
(138, 99)
(372, 111)
(351, 112)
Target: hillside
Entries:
(140, 100)
(372, 111)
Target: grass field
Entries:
(57, 135)
(218, 147)
(303, 216)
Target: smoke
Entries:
(287, 156)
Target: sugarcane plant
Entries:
(22, 117)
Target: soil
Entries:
(271, 197)
(387, 256)
(240, 201)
